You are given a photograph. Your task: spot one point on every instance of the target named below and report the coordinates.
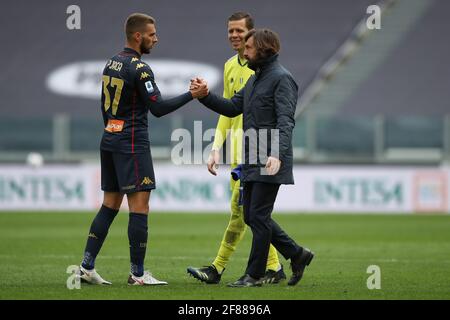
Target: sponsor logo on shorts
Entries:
(129, 187)
(92, 235)
(146, 181)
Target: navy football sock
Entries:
(97, 234)
(137, 235)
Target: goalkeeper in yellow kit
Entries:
(236, 74)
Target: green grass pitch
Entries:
(412, 251)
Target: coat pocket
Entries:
(264, 111)
(265, 116)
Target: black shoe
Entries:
(274, 277)
(207, 274)
(245, 281)
(298, 265)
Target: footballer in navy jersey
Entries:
(129, 92)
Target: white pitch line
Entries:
(151, 257)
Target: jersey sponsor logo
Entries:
(134, 59)
(114, 125)
(84, 78)
(149, 87)
(146, 181)
(140, 65)
(144, 75)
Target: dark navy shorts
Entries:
(127, 173)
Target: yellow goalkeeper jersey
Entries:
(235, 76)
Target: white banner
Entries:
(366, 189)
(49, 187)
(190, 188)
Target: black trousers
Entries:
(258, 201)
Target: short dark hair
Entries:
(136, 22)
(267, 42)
(249, 23)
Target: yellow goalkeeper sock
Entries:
(273, 263)
(223, 256)
(234, 232)
(227, 247)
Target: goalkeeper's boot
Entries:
(91, 276)
(273, 276)
(146, 279)
(207, 274)
(298, 265)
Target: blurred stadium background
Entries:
(377, 98)
(373, 119)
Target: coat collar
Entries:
(265, 63)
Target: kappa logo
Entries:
(144, 75)
(146, 181)
(140, 65)
(134, 59)
(92, 235)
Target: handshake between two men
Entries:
(199, 89)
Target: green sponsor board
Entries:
(185, 189)
(363, 191)
(41, 189)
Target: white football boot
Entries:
(91, 276)
(147, 279)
